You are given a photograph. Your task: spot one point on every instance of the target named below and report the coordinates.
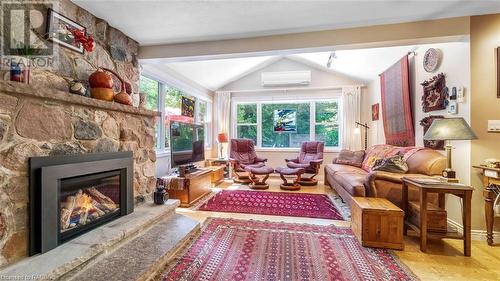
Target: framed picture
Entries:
(375, 112)
(285, 120)
(59, 30)
(452, 107)
(187, 107)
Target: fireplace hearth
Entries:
(71, 195)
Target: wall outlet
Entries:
(494, 126)
(461, 95)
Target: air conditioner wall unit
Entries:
(286, 78)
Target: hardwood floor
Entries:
(444, 259)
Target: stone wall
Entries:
(38, 121)
(113, 50)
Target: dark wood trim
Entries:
(498, 72)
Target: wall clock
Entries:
(431, 59)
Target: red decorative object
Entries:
(375, 112)
(396, 104)
(426, 123)
(229, 249)
(434, 93)
(101, 84)
(222, 138)
(273, 203)
(86, 40)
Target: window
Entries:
(152, 90)
(270, 138)
(327, 123)
(246, 121)
(170, 98)
(314, 120)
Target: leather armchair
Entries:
(310, 158)
(242, 155)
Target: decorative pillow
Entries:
(393, 164)
(352, 158)
(382, 151)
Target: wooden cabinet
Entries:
(191, 188)
(377, 222)
(217, 174)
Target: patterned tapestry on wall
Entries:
(435, 93)
(426, 123)
(396, 105)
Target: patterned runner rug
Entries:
(229, 249)
(273, 203)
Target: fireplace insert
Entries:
(71, 195)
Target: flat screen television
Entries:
(187, 143)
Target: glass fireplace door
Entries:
(88, 201)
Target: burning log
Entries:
(85, 206)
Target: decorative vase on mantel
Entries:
(101, 84)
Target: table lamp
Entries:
(449, 129)
(221, 138)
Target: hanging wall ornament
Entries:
(432, 57)
(426, 123)
(435, 93)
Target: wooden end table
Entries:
(491, 182)
(427, 185)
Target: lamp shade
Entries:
(449, 129)
(222, 138)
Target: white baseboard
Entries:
(479, 235)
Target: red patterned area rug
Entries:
(273, 203)
(229, 249)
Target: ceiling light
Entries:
(330, 59)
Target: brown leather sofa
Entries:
(350, 181)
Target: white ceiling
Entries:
(153, 22)
(361, 64)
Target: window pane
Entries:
(247, 132)
(247, 114)
(327, 112)
(151, 88)
(173, 100)
(270, 138)
(202, 112)
(328, 133)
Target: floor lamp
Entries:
(357, 131)
(221, 139)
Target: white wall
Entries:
(319, 78)
(455, 65)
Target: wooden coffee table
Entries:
(425, 186)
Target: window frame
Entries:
(290, 100)
(163, 150)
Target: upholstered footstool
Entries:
(258, 176)
(285, 171)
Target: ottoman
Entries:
(258, 176)
(285, 171)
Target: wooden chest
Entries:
(217, 174)
(191, 188)
(377, 222)
(436, 217)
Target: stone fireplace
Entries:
(71, 195)
(43, 122)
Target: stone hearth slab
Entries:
(74, 254)
(143, 256)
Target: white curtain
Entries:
(351, 113)
(222, 111)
